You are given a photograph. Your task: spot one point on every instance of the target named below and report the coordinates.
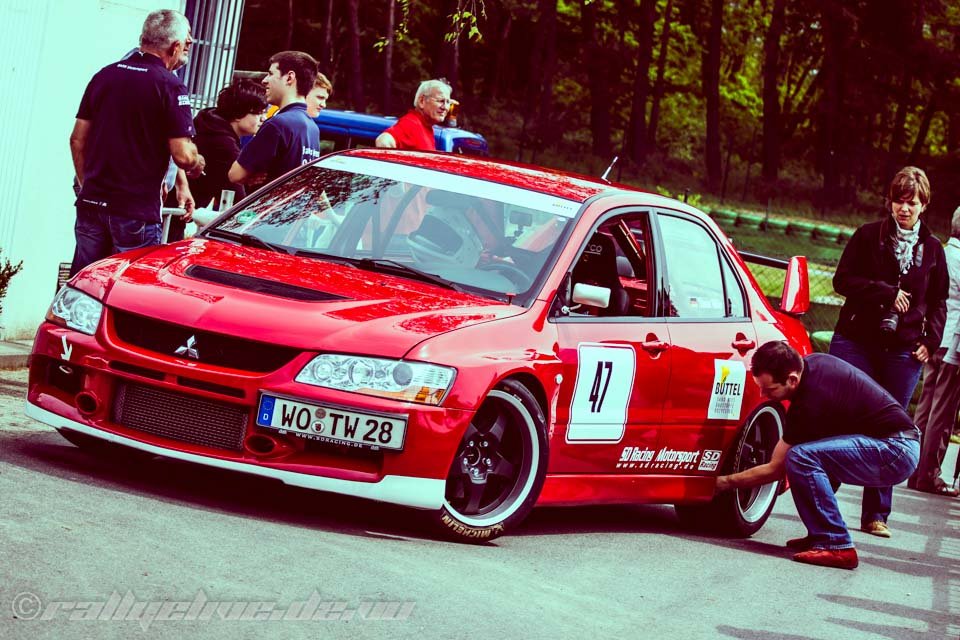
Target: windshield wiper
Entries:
(320, 255)
(392, 266)
(246, 239)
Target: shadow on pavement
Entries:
(752, 634)
(210, 489)
(941, 620)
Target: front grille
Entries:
(211, 386)
(180, 417)
(209, 347)
(135, 370)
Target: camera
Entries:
(889, 322)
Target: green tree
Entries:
(7, 271)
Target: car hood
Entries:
(260, 295)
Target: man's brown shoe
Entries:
(838, 558)
(942, 489)
(877, 528)
(800, 544)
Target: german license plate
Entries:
(331, 424)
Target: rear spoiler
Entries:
(795, 297)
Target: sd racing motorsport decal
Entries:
(602, 393)
(644, 458)
(726, 395)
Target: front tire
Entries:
(499, 468)
(742, 512)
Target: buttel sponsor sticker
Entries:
(726, 395)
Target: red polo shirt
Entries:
(413, 131)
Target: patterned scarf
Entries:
(903, 243)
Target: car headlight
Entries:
(398, 379)
(76, 310)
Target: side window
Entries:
(615, 258)
(736, 307)
(696, 272)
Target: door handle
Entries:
(743, 344)
(655, 346)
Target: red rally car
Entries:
(466, 337)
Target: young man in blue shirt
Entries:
(290, 138)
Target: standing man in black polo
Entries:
(290, 138)
(134, 115)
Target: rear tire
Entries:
(742, 512)
(499, 468)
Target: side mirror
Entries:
(591, 295)
(796, 287)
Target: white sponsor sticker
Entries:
(710, 460)
(605, 375)
(726, 395)
(667, 459)
(183, 101)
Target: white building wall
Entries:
(51, 49)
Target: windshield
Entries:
(407, 220)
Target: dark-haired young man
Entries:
(240, 111)
(841, 427)
(289, 138)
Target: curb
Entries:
(14, 355)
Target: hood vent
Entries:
(260, 285)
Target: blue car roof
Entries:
(352, 122)
(333, 122)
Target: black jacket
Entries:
(219, 146)
(868, 275)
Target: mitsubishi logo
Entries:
(189, 349)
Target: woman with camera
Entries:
(893, 273)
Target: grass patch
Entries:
(777, 245)
(822, 259)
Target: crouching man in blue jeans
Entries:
(841, 427)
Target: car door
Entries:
(616, 360)
(712, 337)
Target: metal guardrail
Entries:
(767, 261)
(167, 214)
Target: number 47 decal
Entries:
(600, 385)
(598, 411)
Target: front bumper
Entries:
(84, 383)
(420, 493)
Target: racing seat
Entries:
(598, 266)
(434, 238)
(445, 238)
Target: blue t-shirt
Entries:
(287, 140)
(835, 398)
(134, 107)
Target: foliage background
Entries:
(800, 106)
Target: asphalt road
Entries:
(121, 547)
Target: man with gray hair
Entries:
(133, 117)
(414, 130)
(940, 398)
